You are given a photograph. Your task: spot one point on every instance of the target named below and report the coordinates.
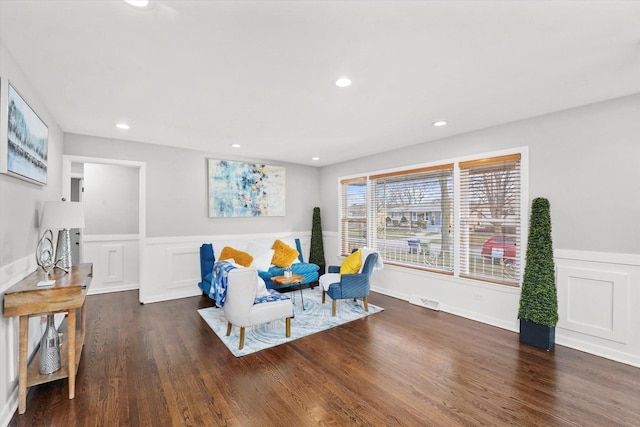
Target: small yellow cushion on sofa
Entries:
(284, 254)
(242, 258)
(352, 263)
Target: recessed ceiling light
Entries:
(343, 82)
(138, 3)
(122, 126)
(315, 159)
(235, 145)
(440, 123)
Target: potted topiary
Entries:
(316, 251)
(538, 311)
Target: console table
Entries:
(25, 299)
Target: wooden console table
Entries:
(25, 299)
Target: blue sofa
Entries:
(307, 270)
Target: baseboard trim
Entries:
(626, 358)
(10, 407)
(109, 289)
(191, 293)
(455, 311)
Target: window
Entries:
(412, 214)
(461, 218)
(353, 214)
(490, 219)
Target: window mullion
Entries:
(457, 229)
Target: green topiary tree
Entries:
(539, 299)
(316, 251)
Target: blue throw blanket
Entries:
(218, 291)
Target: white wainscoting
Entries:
(171, 266)
(598, 298)
(116, 262)
(9, 338)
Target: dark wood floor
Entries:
(160, 365)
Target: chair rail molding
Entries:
(172, 269)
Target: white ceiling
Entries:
(205, 74)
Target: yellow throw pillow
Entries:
(284, 254)
(242, 258)
(352, 263)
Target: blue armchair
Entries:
(350, 285)
(207, 259)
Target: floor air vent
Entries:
(425, 302)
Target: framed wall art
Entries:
(238, 189)
(25, 146)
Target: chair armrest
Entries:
(333, 269)
(353, 279)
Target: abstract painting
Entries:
(239, 189)
(27, 141)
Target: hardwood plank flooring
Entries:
(160, 365)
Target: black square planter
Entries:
(539, 336)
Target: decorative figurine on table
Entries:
(50, 342)
(45, 257)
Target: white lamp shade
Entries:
(62, 215)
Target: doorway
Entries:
(77, 188)
(115, 242)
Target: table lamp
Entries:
(62, 216)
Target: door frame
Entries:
(68, 160)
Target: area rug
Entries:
(315, 318)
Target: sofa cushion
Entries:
(240, 257)
(284, 254)
(295, 244)
(352, 263)
(263, 262)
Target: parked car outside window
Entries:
(500, 247)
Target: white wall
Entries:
(586, 161)
(177, 219)
(20, 208)
(110, 199)
(177, 189)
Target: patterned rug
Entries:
(315, 318)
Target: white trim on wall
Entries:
(11, 274)
(175, 270)
(604, 285)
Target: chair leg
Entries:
(241, 338)
(366, 304)
(228, 328)
(288, 326)
(333, 308)
(323, 295)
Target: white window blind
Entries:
(411, 215)
(490, 232)
(353, 214)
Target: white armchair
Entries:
(241, 308)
